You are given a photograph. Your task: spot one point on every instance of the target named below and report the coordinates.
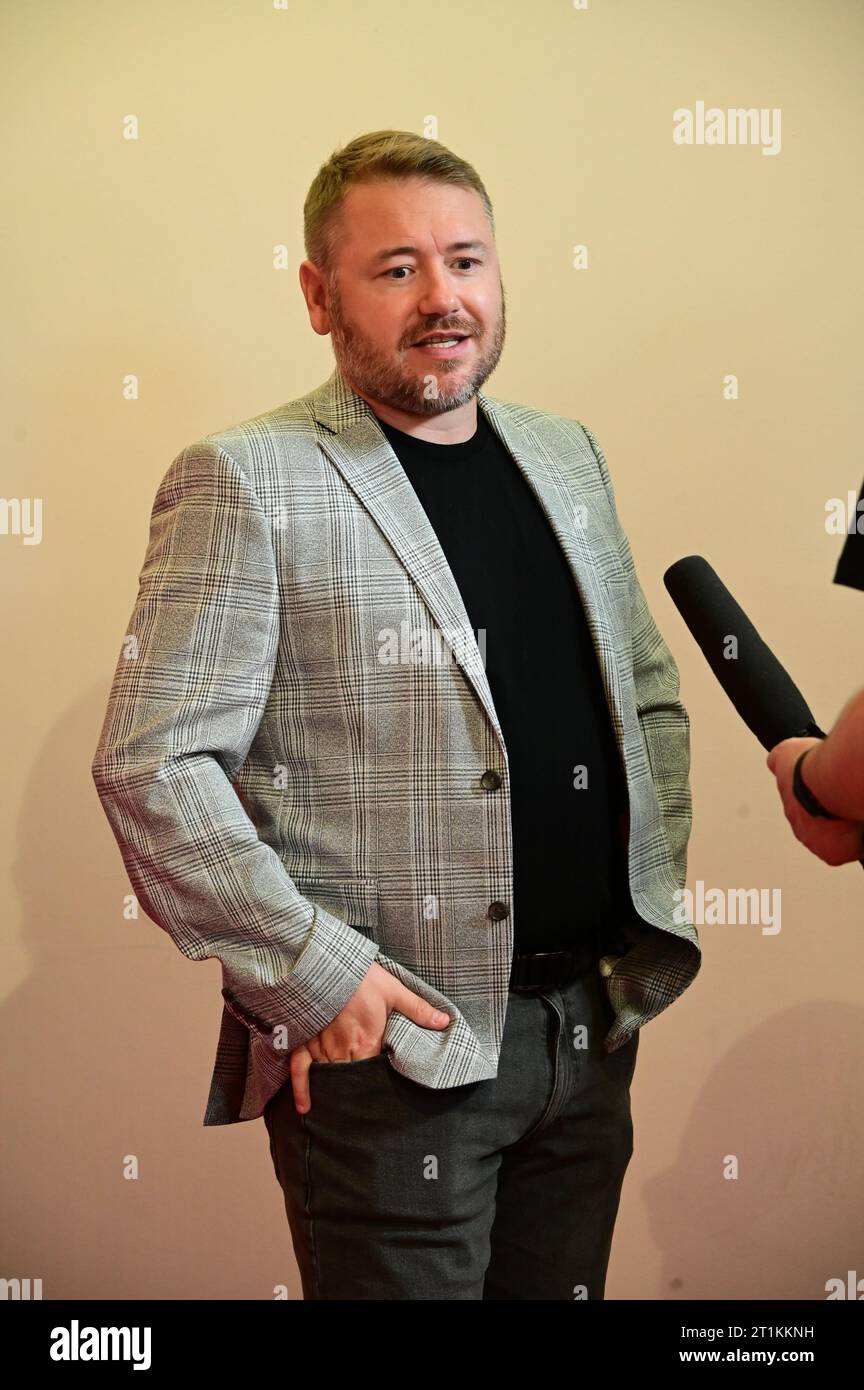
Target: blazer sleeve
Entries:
(663, 718)
(189, 690)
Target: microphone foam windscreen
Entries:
(764, 694)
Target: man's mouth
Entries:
(442, 340)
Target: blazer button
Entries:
(497, 911)
(491, 780)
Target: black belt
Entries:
(547, 969)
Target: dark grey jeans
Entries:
(499, 1189)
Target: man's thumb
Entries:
(420, 1010)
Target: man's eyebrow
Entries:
(391, 251)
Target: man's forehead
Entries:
(383, 221)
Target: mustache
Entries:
(467, 330)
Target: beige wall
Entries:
(154, 257)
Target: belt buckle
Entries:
(546, 981)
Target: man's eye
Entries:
(463, 260)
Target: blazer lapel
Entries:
(357, 446)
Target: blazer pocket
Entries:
(302, 880)
(354, 899)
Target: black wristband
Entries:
(805, 796)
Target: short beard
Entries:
(365, 365)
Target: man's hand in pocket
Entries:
(358, 1031)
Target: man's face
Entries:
(415, 258)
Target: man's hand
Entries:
(357, 1031)
(834, 841)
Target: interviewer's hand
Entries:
(833, 841)
(358, 1030)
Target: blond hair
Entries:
(381, 154)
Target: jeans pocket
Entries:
(350, 1063)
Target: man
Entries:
(400, 619)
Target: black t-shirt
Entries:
(850, 566)
(569, 863)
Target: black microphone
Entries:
(762, 691)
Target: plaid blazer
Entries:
(295, 793)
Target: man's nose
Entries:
(438, 297)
